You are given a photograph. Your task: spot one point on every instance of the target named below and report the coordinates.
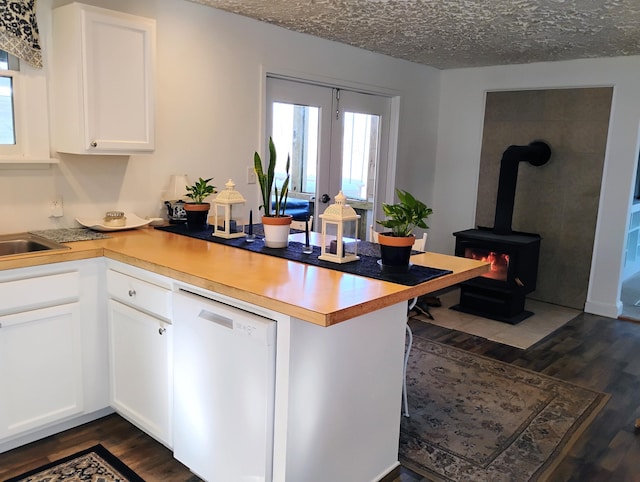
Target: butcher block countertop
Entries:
(317, 295)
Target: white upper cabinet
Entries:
(103, 78)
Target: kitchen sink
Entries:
(23, 243)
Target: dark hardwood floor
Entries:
(591, 351)
(149, 459)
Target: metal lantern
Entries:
(334, 220)
(223, 206)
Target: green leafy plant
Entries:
(200, 189)
(267, 181)
(405, 216)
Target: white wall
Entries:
(459, 143)
(211, 67)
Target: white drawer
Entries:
(139, 294)
(38, 292)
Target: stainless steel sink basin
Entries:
(22, 243)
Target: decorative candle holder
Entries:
(250, 236)
(223, 209)
(308, 249)
(335, 218)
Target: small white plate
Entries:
(132, 222)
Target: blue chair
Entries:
(298, 208)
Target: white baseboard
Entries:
(603, 309)
(386, 472)
(24, 439)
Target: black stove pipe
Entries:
(536, 153)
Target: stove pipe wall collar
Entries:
(537, 153)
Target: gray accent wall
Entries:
(559, 200)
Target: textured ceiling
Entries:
(460, 33)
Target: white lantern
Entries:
(223, 206)
(334, 220)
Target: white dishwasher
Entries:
(224, 381)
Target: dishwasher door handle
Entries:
(218, 319)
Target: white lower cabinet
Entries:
(41, 359)
(141, 366)
(140, 355)
(40, 368)
(74, 342)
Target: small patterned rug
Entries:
(477, 419)
(95, 464)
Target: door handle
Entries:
(325, 198)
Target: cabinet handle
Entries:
(94, 144)
(161, 331)
(132, 293)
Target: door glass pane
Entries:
(360, 151)
(359, 155)
(295, 132)
(7, 127)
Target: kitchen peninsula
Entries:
(339, 343)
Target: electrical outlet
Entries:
(55, 207)
(251, 175)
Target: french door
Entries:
(338, 140)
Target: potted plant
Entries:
(198, 210)
(401, 218)
(276, 223)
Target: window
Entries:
(24, 114)
(9, 66)
(7, 124)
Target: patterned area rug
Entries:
(477, 419)
(95, 464)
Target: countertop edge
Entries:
(116, 248)
(265, 302)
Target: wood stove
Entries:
(500, 293)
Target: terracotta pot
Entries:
(276, 231)
(395, 251)
(197, 214)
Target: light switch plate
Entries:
(251, 175)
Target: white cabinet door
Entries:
(103, 81)
(140, 349)
(40, 367)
